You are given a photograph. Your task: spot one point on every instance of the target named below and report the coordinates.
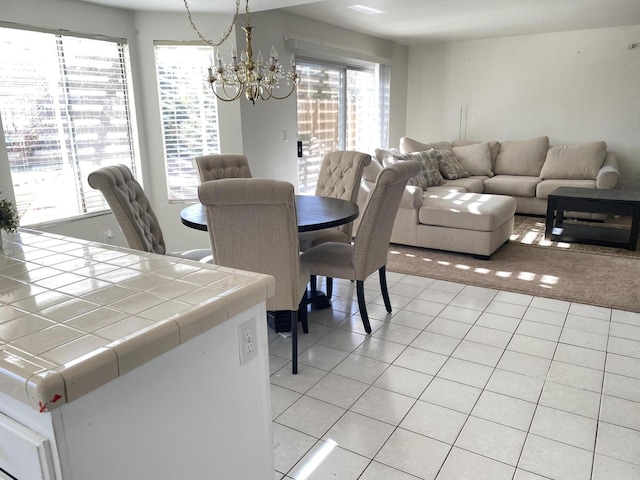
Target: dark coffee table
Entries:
(591, 200)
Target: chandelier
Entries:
(257, 79)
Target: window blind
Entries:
(189, 114)
(66, 110)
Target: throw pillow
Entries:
(524, 157)
(574, 162)
(429, 175)
(475, 158)
(410, 145)
(449, 166)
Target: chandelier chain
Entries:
(225, 35)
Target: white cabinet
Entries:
(24, 453)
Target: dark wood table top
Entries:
(597, 194)
(314, 213)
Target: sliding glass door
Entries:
(338, 109)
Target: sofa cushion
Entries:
(546, 187)
(467, 211)
(494, 147)
(429, 175)
(410, 145)
(468, 184)
(386, 152)
(512, 185)
(524, 157)
(475, 158)
(449, 165)
(574, 162)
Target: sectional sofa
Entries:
(467, 192)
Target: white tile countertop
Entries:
(75, 315)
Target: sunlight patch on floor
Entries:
(528, 276)
(545, 281)
(317, 459)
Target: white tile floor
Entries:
(458, 383)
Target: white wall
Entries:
(575, 87)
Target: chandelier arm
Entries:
(225, 36)
(227, 97)
(272, 95)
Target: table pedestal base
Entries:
(280, 320)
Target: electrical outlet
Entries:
(247, 340)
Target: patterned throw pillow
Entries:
(429, 175)
(449, 165)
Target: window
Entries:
(339, 108)
(189, 114)
(66, 110)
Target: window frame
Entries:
(208, 108)
(87, 198)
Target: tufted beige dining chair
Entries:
(340, 175)
(134, 214)
(252, 224)
(369, 250)
(226, 165)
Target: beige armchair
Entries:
(134, 214)
(369, 250)
(252, 225)
(216, 167)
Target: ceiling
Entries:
(412, 22)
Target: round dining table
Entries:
(314, 213)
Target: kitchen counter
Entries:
(116, 363)
(75, 315)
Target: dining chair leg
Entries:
(313, 283)
(302, 312)
(329, 287)
(363, 306)
(383, 287)
(294, 341)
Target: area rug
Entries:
(530, 231)
(608, 280)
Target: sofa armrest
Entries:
(412, 197)
(609, 174)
